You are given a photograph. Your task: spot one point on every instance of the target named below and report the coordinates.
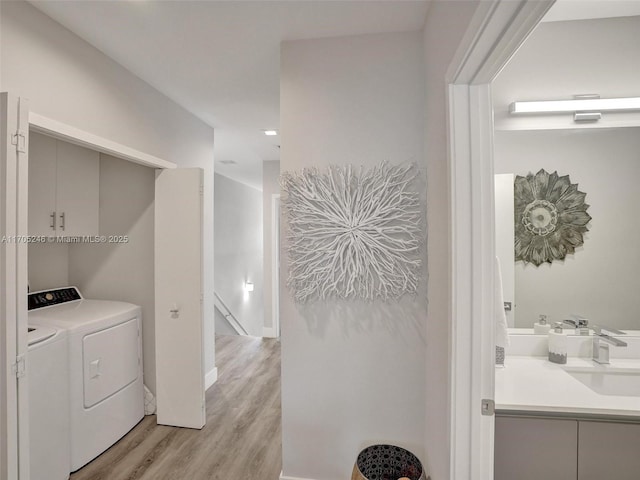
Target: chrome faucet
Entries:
(580, 323)
(600, 352)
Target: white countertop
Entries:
(535, 385)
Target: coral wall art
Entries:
(353, 232)
(550, 217)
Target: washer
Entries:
(106, 393)
(48, 380)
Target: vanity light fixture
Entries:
(584, 107)
(270, 133)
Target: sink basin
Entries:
(625, 382)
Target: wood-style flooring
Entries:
(242, 437)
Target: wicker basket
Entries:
(387, 462)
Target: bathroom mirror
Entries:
(601, 280)
(562, 59)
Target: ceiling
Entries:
(220, 60)
(589, 9)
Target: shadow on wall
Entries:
(403, 318)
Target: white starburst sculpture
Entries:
(353, 233)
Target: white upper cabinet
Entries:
(63, 188)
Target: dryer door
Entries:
(110, 360)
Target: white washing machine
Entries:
(48, 379)
(106, 393)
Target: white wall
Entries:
(270, 186)
(238, 252)
(562, 59)
(353, 373)
(600, 280)
(48, 265)
(127, 193)
(70, 81)
(446, 24)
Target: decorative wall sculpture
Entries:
(353, 233)
(550, 217)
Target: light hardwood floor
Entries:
(242, 437)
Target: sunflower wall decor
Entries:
(353, 232)
(550, 217)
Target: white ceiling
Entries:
(589, 9)
(220, 59)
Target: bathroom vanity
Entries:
(530, 447)
(563, 422)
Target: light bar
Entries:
(576, 105)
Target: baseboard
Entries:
(282, 477)
(269, 332)
(210, 378)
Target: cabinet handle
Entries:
(62, 221)
(53, 221)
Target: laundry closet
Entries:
(91, 225)
(96, 213)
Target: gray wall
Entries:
(48, 265)
(600, 280)
(353, 373)
(68, 80)
(223, 327)
(270, 186)
(238, 252)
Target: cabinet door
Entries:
(608, 451)
(42, 184)
(535, 449)
(77, 195)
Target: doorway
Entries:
(496, 32)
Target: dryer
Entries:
(106, 393)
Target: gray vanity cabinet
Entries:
(535, 449)
(608, 451)
(530, 448)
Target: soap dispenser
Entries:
(557, 344)
(541, 327)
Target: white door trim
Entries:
(495, 33)
(275, 263)
(14, 402)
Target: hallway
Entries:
(242, 437)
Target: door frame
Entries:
(14, 401)
(495, 33)
(275, 264)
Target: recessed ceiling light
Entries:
(270, 133)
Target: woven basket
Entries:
(387, 462)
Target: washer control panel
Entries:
(46, 298)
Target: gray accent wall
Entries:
(238, 251)
(599, 281)
(353, 373)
